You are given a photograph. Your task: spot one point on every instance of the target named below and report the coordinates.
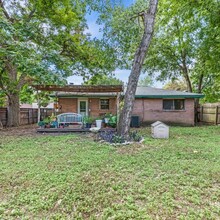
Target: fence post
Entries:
(32, 116)
(28, 116)
(6, 116)
(201, 116)
(216, 115)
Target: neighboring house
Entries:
(150, 105)
(35, 105)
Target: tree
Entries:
(129, 30)
(178, 85)
(125, 116)
(146, 81)
(103, 80)
(44, 41)
(186, 43)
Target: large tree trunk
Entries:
(13, 110)
(125, 117)
(13, 94)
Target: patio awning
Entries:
(80, 88)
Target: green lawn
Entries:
(72, 177)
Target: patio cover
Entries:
(80, 88)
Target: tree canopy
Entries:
(185, 44)
(42, 42)
(103, 80)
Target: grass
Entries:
(72, 177)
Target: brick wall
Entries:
(151, 110)
(71, 105)
(68, 105)
(94, 107)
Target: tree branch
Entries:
(5, 11)
(31, 14)
(21, 80)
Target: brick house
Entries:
(151, 104)
(91, 104)
(169, 106)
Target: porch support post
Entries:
(118, 106)
(38, 107)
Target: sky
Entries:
(94, 30)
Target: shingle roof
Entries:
(141, 92)
(149, 92)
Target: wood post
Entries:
(118, 107)
(28, 116)
(201, 114)
(216, 115)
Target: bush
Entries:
(112, 121)
(88, 119)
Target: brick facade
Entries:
(94, 110)
(151, 110)
(68, 105)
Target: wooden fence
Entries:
(209, 113)
(27, 115)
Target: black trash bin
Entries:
(135, 122)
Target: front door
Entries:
(83, 107)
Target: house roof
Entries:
(149, 92)
(112, 90)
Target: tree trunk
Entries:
(188, 81)
(125, 117)
(200, 83)
(13, 93)
(186, 71)
(13, 110)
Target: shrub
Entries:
(112, 121)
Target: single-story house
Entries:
(151, 104)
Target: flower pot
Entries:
(88, 125)
(106, 120)
(47, 125)
(98, 123)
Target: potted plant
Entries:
(107, 117)
(112, 121)
(88, 121)
(98, 122)
(47, 122)
(41, 124)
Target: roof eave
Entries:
(169, 96)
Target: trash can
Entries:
(135, 122)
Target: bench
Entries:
(70, 119)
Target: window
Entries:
(104, 103)
(173, 104)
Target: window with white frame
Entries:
(173, 104)
(104, 104)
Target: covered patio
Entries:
(82, 101)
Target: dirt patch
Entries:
(25, 130)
